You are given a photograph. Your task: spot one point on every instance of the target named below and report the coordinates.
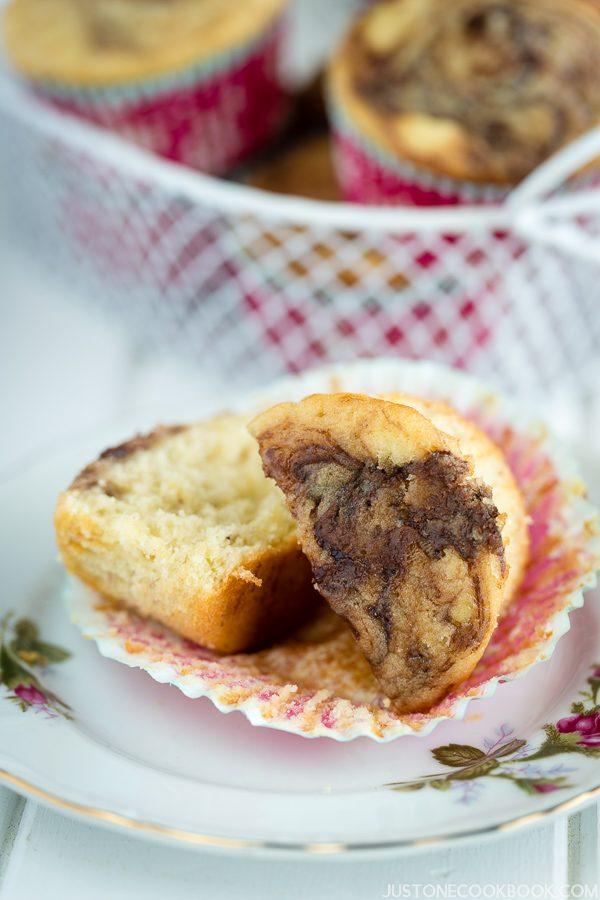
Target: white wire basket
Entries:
(251, 285)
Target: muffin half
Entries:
(416, 535)
(182, 525)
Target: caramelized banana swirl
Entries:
(479, 89)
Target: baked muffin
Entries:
(304, 169)
(439, 102)
(193, 80)
(182, 526)
(414, 527)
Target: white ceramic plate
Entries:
(123, 750)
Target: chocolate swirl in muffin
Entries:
(521, 78)
(403, 536)
(375, 529)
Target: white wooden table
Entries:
(62, 370)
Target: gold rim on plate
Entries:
(331, 848)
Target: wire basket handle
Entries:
(554, 221)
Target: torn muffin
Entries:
(181, 525)
(406, 539)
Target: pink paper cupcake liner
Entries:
(320, 686)
(210, 116)
(367, 174)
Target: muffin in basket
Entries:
(443, 103)
(304, 169)
(195, 81)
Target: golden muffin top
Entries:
(102, 42)
(477, 89)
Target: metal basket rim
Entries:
(235, 199)
(232, 197)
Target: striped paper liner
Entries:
(368, 174)
(210, 115)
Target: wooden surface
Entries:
(66, 372)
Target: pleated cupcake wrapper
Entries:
(210, 115)
(316, 687)
(368, 174)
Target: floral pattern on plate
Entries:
(512, 758)
(23, 656)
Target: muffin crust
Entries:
(483, 90)
(97, 43)
(404, 542)
(182, 526)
